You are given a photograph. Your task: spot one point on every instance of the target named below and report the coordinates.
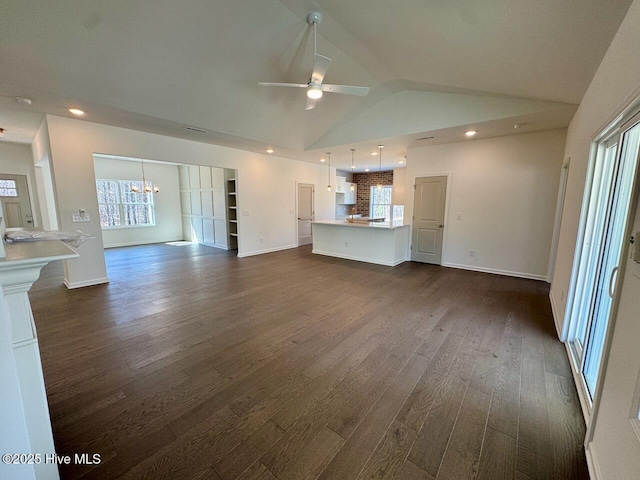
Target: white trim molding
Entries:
(360, 259)
(267, 250)
(592, 464)
(556, 317)
(86, 283)
(496, 271)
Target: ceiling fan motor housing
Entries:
(314, 17)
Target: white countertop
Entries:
(379, 225)
(24, 253)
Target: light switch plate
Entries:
(76, 218)
(245, 213)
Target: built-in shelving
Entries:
(232, 214)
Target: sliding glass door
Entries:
(604, 227)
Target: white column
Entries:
(25, 426)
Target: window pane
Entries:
(135, 214)
(8, 188)
(109, 215)
(107, 191)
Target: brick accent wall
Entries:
(365, 181)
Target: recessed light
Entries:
(366, 169)
(353, 166)
(400, 161)
(323, 159)
(23, 100)
(76, 111)
(470, 133)
(269, 150)
(374, 153)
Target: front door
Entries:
(305, 213)
(16, 205)
(428, 219)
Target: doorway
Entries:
(429, 203)
(596, 266)
(306, 213)
(16, 205)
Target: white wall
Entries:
(16, 159)
(266, 186)
(505, 189)
(41, 153)
(166, 204)
(204, 205)
(614, 452)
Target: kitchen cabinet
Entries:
(346, 196)
(341, 183)
(349, 196)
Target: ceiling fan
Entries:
(315, 87)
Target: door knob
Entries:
(440, 226)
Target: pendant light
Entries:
(353, 152)
(145, 187)
(380, 147)
(329, 171)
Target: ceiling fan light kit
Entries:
(314, 86)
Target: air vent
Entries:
(424, 138)
(195, 129)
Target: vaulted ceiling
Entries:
(435, 68)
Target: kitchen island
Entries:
(383, 243)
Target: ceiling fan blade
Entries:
(311, 103)
(320, 67)
(346, 89)
(269, 84)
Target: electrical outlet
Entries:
(291, 211)
(346, 244)
(472, 253)
(261, 240)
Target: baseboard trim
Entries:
(133, 244)
(267, 250)
(592, 464)
(358, 259)
(495, 271)
(556, 318)
(86, 283)
(580, 387)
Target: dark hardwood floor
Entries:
(193, 363)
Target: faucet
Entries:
(353, 211)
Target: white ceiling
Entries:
(435, 68)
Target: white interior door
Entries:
(16, 204)
(428, 219)
(305, 213)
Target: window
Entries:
(380, 205)
(121, 207)
(606, 205)
(8, 188)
